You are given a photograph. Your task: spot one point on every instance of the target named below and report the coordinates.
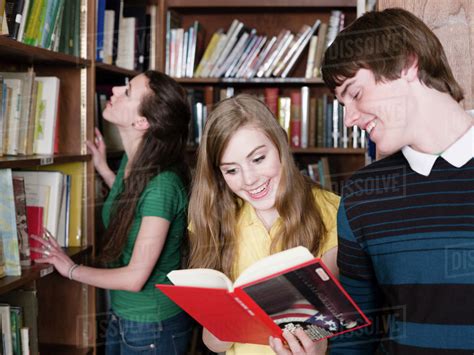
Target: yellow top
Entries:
(254, 244)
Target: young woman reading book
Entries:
(249, 200)
(145, 216)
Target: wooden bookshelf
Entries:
(64, 306)
(26, 161)
(38, 271)
(268, 17)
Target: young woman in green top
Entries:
(145, 217)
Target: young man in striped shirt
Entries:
(405, 222)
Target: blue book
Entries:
(100, 31)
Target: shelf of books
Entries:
(271, 49)
(45, 116)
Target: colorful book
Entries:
(8, 224)
(21, 224)
(6, 329)
(34, 217)
(285, 291)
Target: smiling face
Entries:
(380, 108)
(122, 108)
(251, 167)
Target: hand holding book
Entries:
(289, 290)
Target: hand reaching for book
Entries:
(99, 158)
(298, 343)
(52, 253)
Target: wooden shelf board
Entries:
(260, 3)
(31, 161)
(61, 349)
(20, 52)
(113, 69)
(37, 271)
(328, 151)
(237, 81)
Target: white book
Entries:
(232, 38)
(151, 62)
(261, 57)
(109, 22)
(25, 340)
(24, 16)
(272, 53)
(13, 117)
(253, 53)
(300, 48)
(248, 48)
(304, 116)
(311, 55)
(27, 79)
(335, 124)
(6, 329)
(44, 189)
(45, 125)
(233, 57)
(126, 43)
(215, 54)
(279, 53)
(297, 40)
(238, 52)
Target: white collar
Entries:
(457, 154)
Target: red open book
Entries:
(286, 290)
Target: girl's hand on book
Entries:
(298, 343)
(52, 253)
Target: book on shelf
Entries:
(311, 55)
(286, 290)
(34, 219)
(16, 323)
(8, 232)
(45, 189)
(21, 220)
(13, 12)
(320, 49)
(46, 115)
(73, 186)
(28, 302)
(6, 329)
(18, 131)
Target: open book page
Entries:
(273, 264)
(207, 278)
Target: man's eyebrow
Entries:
(347, 84)
(248, 155)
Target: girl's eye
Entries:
(230, 171)
(259, 159)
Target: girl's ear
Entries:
(141, 124)
(410, 73)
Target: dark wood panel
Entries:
(261, 3)
(14, 51)
(240, 81)
(38, 271)
(30, 161)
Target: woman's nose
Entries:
(118, 90)
(249, 176)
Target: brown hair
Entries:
(387, 42)
(162, 148)
(214, 209)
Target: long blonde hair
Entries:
(214, 209)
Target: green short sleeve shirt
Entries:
(165, 196)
